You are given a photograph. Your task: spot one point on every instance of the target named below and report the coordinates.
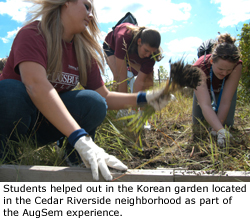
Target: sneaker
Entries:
(147, 126)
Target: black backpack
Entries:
(205, 48)
(128, 18)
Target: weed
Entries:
(170, 143)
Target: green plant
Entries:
(24, 151)
(244, 45)
(169, 144)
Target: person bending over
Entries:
(215, 99)
(134, 49)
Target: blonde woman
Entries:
(215, 99)
(132, 49)
(47, 60)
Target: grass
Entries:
(172, 142)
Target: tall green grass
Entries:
(172, 142)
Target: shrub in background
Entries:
(244, 44)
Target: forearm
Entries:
(229, 97)
(48, 102)
(45, 97)
(122, 86)
(120, 74)
(143, 82)
(223, 112)
(116, 100)
(211, 117)
(138, 86)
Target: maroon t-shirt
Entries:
(206, 66)
(115, 39)
(30, 45)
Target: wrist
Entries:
(141, 98)
(74, 136)
(220, 130)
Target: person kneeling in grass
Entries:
(215, 98)
(47, 60)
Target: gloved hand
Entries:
(223, 137)
(95, 157)
(213, 133)
(155, 98)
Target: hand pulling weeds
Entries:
(181, 75)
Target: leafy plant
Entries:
(244, 44)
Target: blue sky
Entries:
(183, 24)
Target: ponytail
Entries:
(148, 36)
(225, 49)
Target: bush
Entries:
(244, 43)
(2, 64)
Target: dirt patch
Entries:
(175, 144)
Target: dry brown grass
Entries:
(174, 142)
(169, 144)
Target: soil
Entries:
(175, 145)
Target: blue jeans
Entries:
(197, 112)
(19, 116)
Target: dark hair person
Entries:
(132, 49)
(215, 98)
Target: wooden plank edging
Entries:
(15, 173)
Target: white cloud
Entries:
(103, 35)
(163, 14)
(186, 47)
(147, 13)
(165, 29)
(16, 9)
(10, 35)
(188, 44)
(233, 12)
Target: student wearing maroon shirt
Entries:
(47, 60)
(215, 98)
(133, 48)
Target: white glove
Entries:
(157, 99)
(223, 137)
(213, 133)
(94, 157)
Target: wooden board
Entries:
(15, 173)
(202, 176)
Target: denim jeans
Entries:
(197, 112)
(18, 114)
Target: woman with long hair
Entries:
(47, 60)
(133, 49)
(215, 98)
